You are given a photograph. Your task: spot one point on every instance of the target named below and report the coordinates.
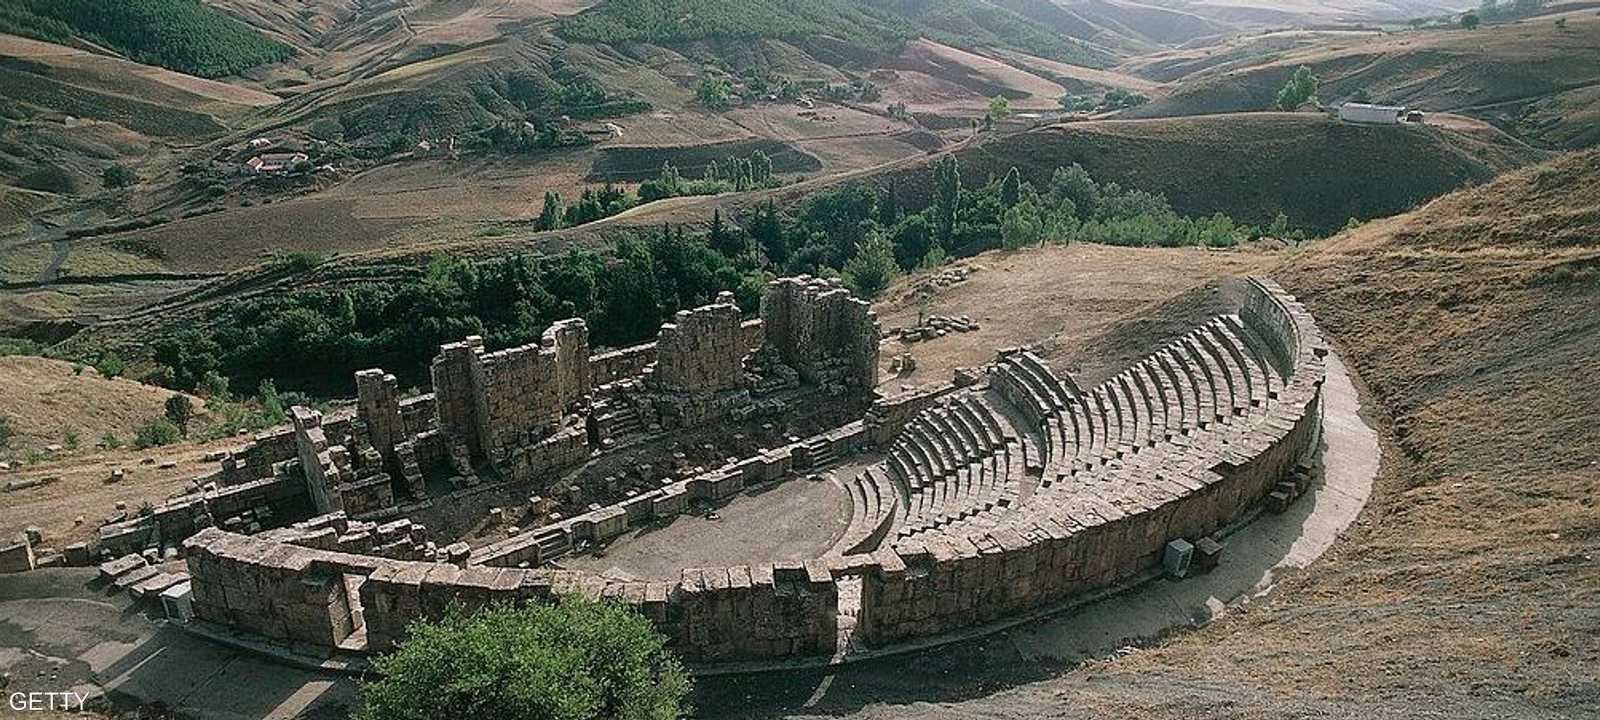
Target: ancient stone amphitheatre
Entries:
(1139, 359)
(1004, 491)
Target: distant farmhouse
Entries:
(275, 162)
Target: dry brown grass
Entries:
(45, 398)
(1052, 298)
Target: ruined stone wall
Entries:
(311, 445)
(499, 401)
(294, 594)
(1039, 554)
(714, 485)
(256, 460)
(16, 556)
(822, 330)
(378, 400)
(702, 350)
(630, 362)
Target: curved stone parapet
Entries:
(991, 501)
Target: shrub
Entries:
(213, 385)
(155, 432)
(118, 176)
(6, 433)
(327, 129)
(872, 269)
(49, 178)
(714, 93)
(999, 108)
(180, 410)
(110, 366)
(1302, 86)
(575, 660)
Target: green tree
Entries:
(1011, 188)
(180, 410)
(721, 238)
(575, 660)
(118, 176)
(110, 366)
(1302, 86)
(213, 385)
(873, 267)
(946, 197)
(1471, 21)
(714, 93)
(155, 432)
(271, 403)
(999, 108)
(1073, 184)
(6, 433)
(1021, 226)
(766, 229)
(549, 215)
(913, 240)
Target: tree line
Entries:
(181, 35)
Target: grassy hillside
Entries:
(880, 26)
(1318, 172)
(180, 35)
(1471, 320)
(1500, 73)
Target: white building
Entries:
(1371, 114)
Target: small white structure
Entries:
(273, 163)
(260, 143)
(1368, 114)
(177, 602)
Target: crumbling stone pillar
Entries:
(822, 330)
(456, 398)
(322, 474)
(378, 405)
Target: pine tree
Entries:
(946, 197)
(549, 217)
(1011, 188)
(889, 206)
(873, 268)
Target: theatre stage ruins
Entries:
(549, 469)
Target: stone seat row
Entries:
(955, 460)
(1189, 399)
(1209, 376)
(874, 507)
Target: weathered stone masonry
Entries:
(1111, 492)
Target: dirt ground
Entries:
(796, 519)
(83, 488)
(1052, 298)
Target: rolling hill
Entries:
(181, 35)
(1252, 166)
(1532, 78)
